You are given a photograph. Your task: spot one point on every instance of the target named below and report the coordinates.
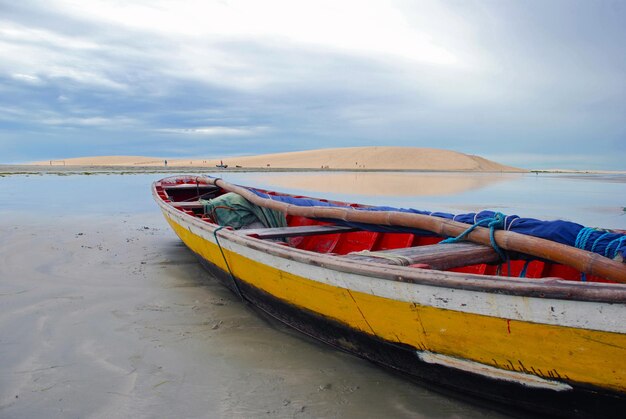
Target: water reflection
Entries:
(595, 200)
(388, 184)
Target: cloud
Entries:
(215, 131)
(41, 56)
(27, 78)
(278, 74)
(364, 27)
(94, 121)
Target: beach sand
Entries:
(106, 314)
(353, 158)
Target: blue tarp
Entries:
(611, 245)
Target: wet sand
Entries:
(106, 314)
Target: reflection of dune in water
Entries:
(390, 184)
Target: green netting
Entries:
(235, 211)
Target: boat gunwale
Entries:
(545, 288)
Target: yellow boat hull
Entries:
(554, 353)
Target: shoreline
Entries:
(32, 169)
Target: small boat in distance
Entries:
(464, 303)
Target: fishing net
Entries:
(235, 211)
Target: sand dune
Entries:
(355, 158)
(390, 158)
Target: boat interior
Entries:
(389, 248)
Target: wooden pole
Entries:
(581, 260)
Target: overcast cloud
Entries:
(536, 84)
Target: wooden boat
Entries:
(537, 337)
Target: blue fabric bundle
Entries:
(611, 245)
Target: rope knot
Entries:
(495, 222)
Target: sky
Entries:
(534, 84)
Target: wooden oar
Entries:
(581, 260)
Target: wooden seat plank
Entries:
(281, 232)
(188, 204)
(437, 256)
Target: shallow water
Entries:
(592, 200)
(106, 314)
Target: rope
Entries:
(213, 213)
(610, 251)
(496, 222)
(226, 262)
(522, 274)
(617, 243)
(596, 241)
(583, 236)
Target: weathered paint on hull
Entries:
(564, 370)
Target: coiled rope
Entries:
(583, 236)
(617, 243)
(611, 248)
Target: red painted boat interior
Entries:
(344, 243)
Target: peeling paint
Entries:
(522, 378)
